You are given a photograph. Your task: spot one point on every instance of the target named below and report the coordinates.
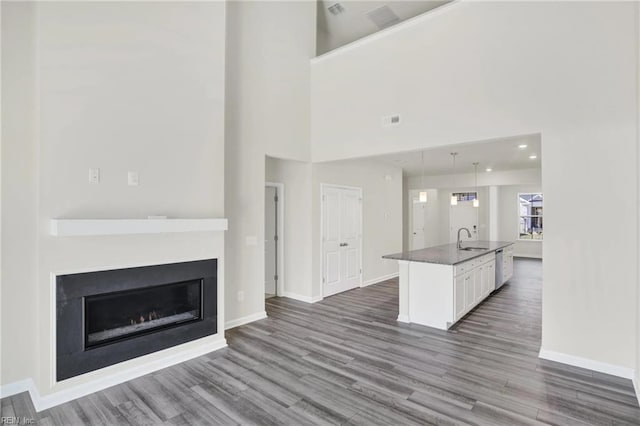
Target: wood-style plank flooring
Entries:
(346, 360)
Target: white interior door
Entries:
(270, 240)
(341, 239)
(464, 215)
(417, 224)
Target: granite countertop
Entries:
(449, 254)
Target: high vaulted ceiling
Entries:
(343, 21)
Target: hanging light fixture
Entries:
(454, 197)
(476, 202)
(423, 192)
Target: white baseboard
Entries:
(43, 402)
(301, 298)
(403, 318)
(15, 388)
(589, 364)
(245, 320)
(636, 386)
(380, 279)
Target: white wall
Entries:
(567, 70)
(296, 177)
(135, 86)
(438, 213)
(508, 220)
(269, 45)
(433, 223)
(506, 184)
(381, 214)
(637, 368)
(19, 192)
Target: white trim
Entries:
(380, 279)
(636, 387)
(85, 227)
(589, 364)
(15, 388)
(403, 318)
(301, 298)
(280, 247)
(43, 402)
(245, 320)
(322, 188)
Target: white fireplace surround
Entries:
(96, 227)
(183, 237)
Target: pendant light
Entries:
(423, 192)
(454, 197)
(476, 202)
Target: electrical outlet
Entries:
(241, 296)
(94, 175)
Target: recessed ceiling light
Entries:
(489, 169)
(523, 146)
(533, 157)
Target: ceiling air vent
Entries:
(383, 17)
(336, 9)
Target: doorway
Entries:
(341, 238)
(273, 239)
(417, 224)
(463, 215)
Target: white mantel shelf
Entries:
(93, 227)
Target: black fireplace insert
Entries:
(108, 317)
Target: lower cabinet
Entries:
(507, 264)
(459, 295)
(474, 281)
(432, 300)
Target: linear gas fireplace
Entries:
(111, 316)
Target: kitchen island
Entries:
(439, 285)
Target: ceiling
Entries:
(355, 19)
(498, 154)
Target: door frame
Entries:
(280, 246)
(411, 194)
(324, 186)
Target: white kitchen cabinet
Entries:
(469, 291)
(473, 281)
(478, 273)
(440, 294)
(491, 277)
(458, 290)
(507, 264)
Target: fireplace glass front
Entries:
(116, 316)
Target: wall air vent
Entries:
(391, 120)
(383, 17)
(336, 9)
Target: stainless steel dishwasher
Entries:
(499, 269)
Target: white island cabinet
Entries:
(439, 285)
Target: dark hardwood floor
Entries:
(346, 360)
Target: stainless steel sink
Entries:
(474, 248)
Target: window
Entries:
(465, 196)
(530, 216)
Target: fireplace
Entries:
(114, 316)
(111, 316)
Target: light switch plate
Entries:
(94, 175)
(133, 178)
